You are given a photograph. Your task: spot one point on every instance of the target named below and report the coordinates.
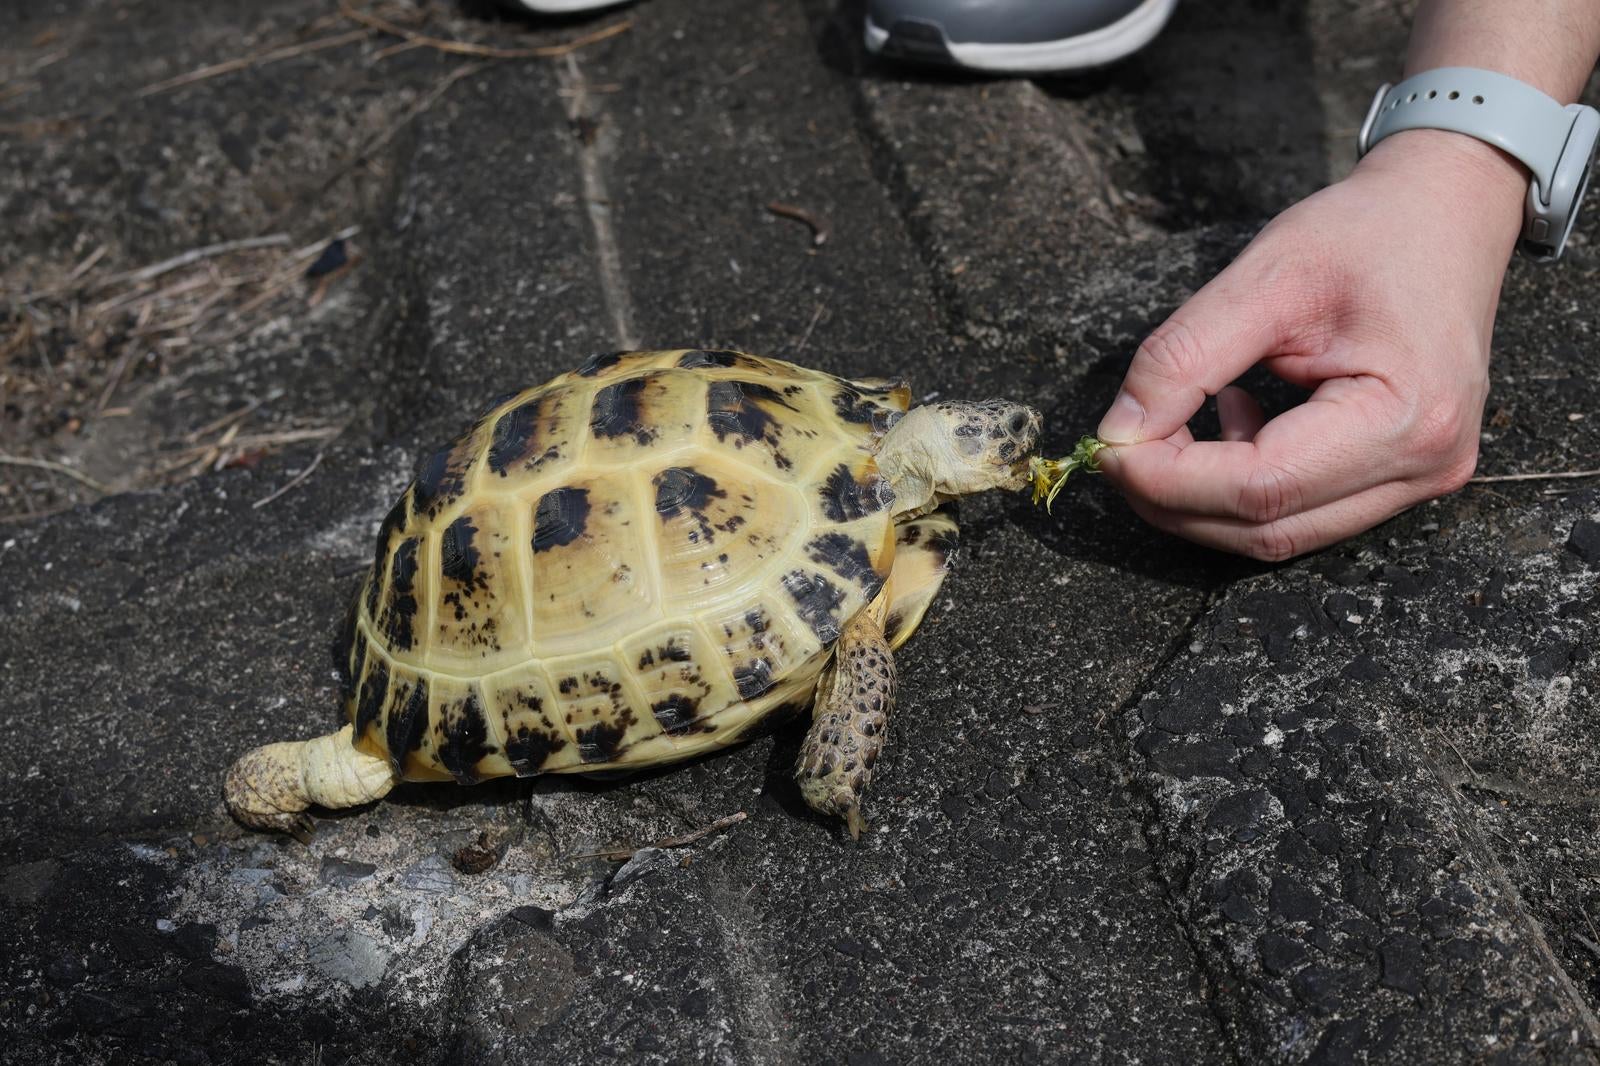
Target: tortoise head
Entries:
(954, 448)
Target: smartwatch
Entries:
(1556, 143)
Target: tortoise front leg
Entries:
(849, 722)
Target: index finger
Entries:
(1208, 342)
(1335, 445)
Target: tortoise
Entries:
(651, 557)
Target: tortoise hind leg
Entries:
(271, 786)
(849, 722)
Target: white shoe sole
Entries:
(1107, 45)
(560, 7)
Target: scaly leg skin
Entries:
(271, 786)
(849, 722)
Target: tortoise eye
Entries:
(1019, 422)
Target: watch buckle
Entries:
(1549, 215)
(1373, 111)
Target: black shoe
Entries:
(1015, 36)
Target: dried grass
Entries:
(70, 348)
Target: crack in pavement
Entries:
(594, 144)
(1150, 831)
(1494, 869)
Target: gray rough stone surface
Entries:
(1141, 803)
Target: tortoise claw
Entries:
(301, 826)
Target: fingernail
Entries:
(1123, 421)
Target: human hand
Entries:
(1378, 293)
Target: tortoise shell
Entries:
(631, 564)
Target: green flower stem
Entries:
(1049, 475)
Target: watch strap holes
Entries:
(1433, 94)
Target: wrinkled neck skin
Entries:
(903, 461)
(919, 457)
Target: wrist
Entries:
(1476, 183)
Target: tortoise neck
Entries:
(908, 458)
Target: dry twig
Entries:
(387, 133)
(250, 441)
(195, 255)
(316, 461)
(224, 422)
(114, 380)
(752, 64)
(54, 467)
(1559, 475)
(805, 338)
(90, 260)
(622, 854)
(1452, 745)
(259, 59)
(480, 51)
(821, 229)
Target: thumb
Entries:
(1205, 345)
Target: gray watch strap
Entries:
(1502, 111)
(1556, 143)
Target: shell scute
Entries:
(763, 643)
(716, 524)
(480, 621)
(541, 431)
(850, 490)
(524, 703)
(598, 364)
(397, 611)
(369, 675)
(462, 741)
(634, 416)
(595, 709)
(405, 721)
(724, 359)
(674, 671)
(593, 581)
(442, 477)
(754, 422)
(874, 404)
(850, 559)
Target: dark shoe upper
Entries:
(1004, 21)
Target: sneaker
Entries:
(559, 7)
(1014, 36)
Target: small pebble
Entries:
(429, 875)
(349, 956)
(342, 873)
